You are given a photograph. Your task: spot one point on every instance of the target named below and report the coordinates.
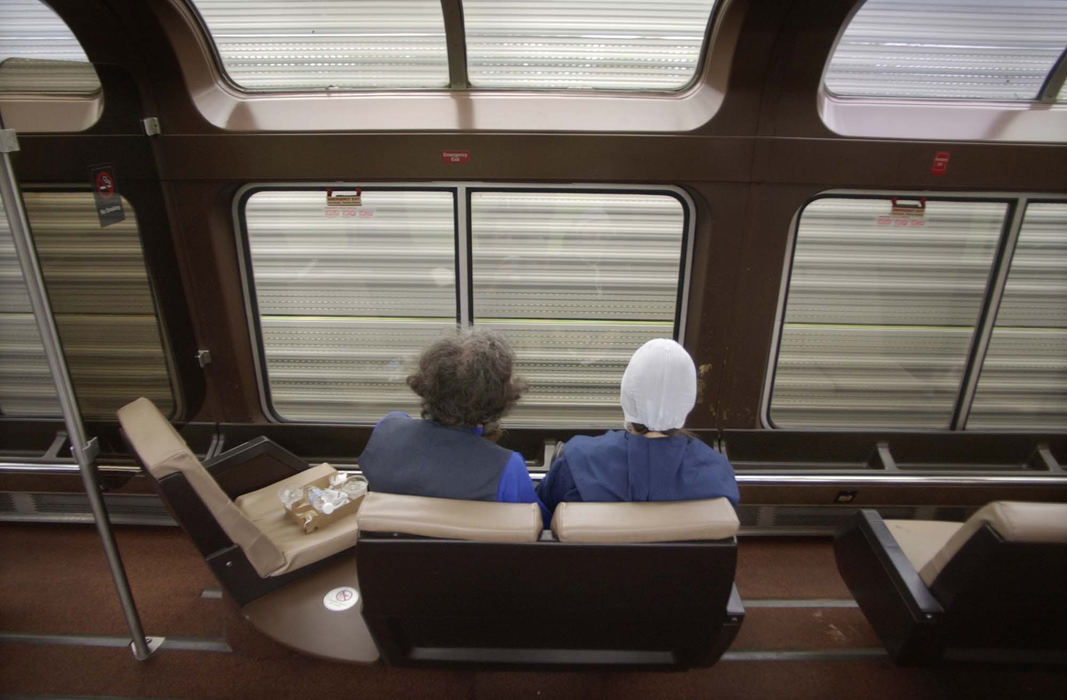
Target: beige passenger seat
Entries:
(642, 585)
(275, 572)
(992, 588)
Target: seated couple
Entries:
(466, 386)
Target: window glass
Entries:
(26, 387)
(329, 44)
(981, 49)
(1024, 377)
(103, 308)
(39, 54)
(346, 297)
(880, 310)
(621, 45)
(577, 281)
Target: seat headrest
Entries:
(161, 449)
(447, 518)
(1017, 521)
(1014, 521)
(672, 521)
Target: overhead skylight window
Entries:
(404, 44)
(39, 54)
(329, 44)
(952, 49)
(617, 45)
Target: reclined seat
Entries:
(991, 588)
(449, 582)
(278, 575)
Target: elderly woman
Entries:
(653, 459)
(466, 387)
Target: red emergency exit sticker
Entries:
(940, 165)
(456, 156)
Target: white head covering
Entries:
(659, 387)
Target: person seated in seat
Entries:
(466, 386)
(653, 459)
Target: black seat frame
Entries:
(548, 604)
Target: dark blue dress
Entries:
(621, 466)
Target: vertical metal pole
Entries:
(84, 450)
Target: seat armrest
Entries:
(253, 465)
(894, 599)
(897, 565)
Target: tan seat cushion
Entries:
(447, 518)
(264, 508)
(1014, 521)
(920, 540)
(163, 451)
(672, 521)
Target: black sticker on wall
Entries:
(106, 194)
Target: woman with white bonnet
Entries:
(652, 460)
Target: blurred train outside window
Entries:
(888, 313)
(406, 44)
(103, 307)
(47, 83)
(346, 297)
(577, 281)
(982, 50)
(324, 45)
(1024, 377)
(948, 69)
(343, 298)
(623, 45)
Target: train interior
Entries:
(229, 228)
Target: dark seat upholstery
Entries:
(461, 582)
(992, 588)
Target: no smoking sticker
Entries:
(341, 598)
(106, 194)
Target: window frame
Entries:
(985, 322)
(463, 236)
(230, 109)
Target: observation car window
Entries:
(1024, 377)
(988, 50)
(39, 54)
(103, 307)
(322, 45)
(883, 299)
(344, 298)
(624, 45)
(538, 44)
(47, 83)
(577, 281)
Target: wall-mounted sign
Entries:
(106, 194)
(456, 156)
(940, 164)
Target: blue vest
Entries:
(423, 458)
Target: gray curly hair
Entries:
(465, 380)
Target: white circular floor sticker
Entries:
(341, 598)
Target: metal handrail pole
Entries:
(83, 450)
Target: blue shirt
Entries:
(622, 466)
